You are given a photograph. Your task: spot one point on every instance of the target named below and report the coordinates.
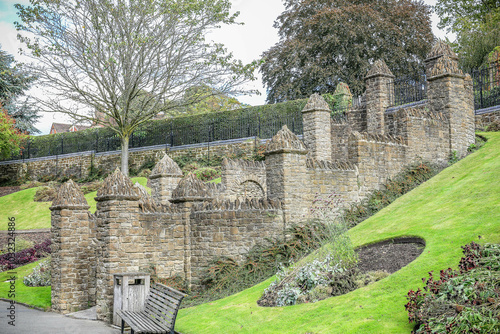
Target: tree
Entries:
(11, 138)
(14, 81)
(476, 25)
(323, 42)
(127, 59)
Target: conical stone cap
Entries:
(316, 103)
(190, 188)
(441, 48)
(379, 68)
(117, 187)
(165, 167)
(445, 66)
(70, 196)
(285, 141)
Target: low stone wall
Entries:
(230, 229)
(486, 117)
(77, 165)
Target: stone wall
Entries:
(243, 179)
(185, 223)
(230, 229)
(77, 165)
(484, 119)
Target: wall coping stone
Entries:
(439, 49)
(190, 189)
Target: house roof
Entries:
(62, 127)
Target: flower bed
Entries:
(10, 261)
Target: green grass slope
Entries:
(35, 296)
(459, 205)
(35, 215)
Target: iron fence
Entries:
(241, 125)
(486, 83)
(408, 90)
(246, 123)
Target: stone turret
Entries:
(120, 237)
(164, 179)
(286, 173)
(379, 96)
(317, 128)
(450, 92)
(71, 252)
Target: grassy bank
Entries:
(456, 207)
(35, 215)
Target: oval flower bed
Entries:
(328, 277)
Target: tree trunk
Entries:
(124, 157)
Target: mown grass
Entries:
(35, 296)
(35, 215)
(459, 205)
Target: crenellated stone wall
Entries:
(185, 223)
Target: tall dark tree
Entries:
(323, 42)
(476, 24)
(14, 81)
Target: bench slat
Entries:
(175, 301)
(140, 322)
(159, 297)
(170, 291)
(156, 311)
(162, 303)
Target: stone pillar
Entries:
(379, 96)
(164, 179)
(189, 191)
(450, 94)
(120, 236)
(286, 174)
(317, 128)
(70, 250)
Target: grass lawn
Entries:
(34, 215)
(452, 209)
(36, 296)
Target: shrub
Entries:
(207, 173)
(45, 194)
(332, 269)
(463, 301)
(40, 275)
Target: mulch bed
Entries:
(8, 190)
(390, 255)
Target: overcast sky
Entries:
(247, 41)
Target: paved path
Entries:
(30, 321)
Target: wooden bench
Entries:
(160, 311)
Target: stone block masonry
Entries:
(185, 223)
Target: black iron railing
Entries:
(486, 83)
(408, 90)
(169, 133)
